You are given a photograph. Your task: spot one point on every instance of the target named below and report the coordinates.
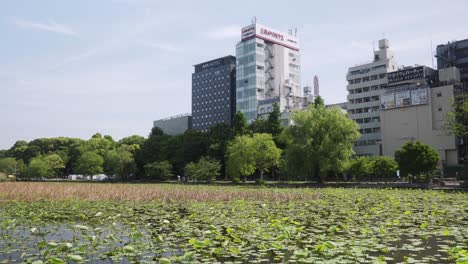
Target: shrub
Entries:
(159, 170)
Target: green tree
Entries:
(259, 125)
(273, 123)
(359, 167)
(119, 162)
(219, 136)
(206, 169)
(89, 164)
(322, 138)
(457, 120)
(241, 157)
(38, 168)
(239, 124)
(383, 166)
(8, 166)
(416, 159)
(266, 154)
(159, 170)
(55, 163)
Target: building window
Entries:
(440, 109)
(439, 94)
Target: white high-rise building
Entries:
(366, 83)
(268, 71)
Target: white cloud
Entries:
(50, 26)
(225, 32)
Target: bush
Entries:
(416, 159)
(260, 182)
(383, 166)
(359, 167)
(205, 169)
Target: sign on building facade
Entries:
(403, 99)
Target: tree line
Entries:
(318, 144)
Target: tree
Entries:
(239, 124)
(457, 120)
(119, 162)
(266, 154)
(219, 136)
(273, 123)
(322, 138)
(55, 163)
(383, 166)
(359, 167)
(38, 168)
(206, 169)
(259, 125)
(89, 164)
(246, 154)
(8, 166)
(416, 159)
(241, 157)
(159, 170)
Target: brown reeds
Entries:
(33, 191)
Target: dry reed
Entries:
(33, 191)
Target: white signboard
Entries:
(403, 99)
(419, 97)
(269, 34)
(387, 101)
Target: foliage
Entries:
(8, 165)
(119, 162)
(416, 158)
(205, 169)
(239, 124)
(383, 166)
(89, 163)
(319, 140)
(359, 167)
(55, 163)
(274, 121)
(38, 168)
(241, 157)
(266, 154)
(159, 170)
(213, 224)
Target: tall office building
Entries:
(366, 82)
(213, 93)
(454, 54)
(268, 71)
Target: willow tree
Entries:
(319, 140)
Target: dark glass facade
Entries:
(213, 93)
(454, 54)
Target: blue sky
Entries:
(73, 68)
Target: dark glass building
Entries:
(213, 93)
(454, 54)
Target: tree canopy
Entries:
(416, 158)
(319, 140)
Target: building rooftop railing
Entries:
(173, 117)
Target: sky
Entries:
(74, 68)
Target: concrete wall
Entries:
(425, 123)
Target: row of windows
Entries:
(368, 78)
(364, 110)
(204, 81)
(365, 142)
(211, 108)
(369, 130)
(367, 89)
(367, 120)
(213, 94)
(362, 71)
(364, 99)
(204, 74)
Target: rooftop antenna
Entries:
(373, 45)
(295, 32)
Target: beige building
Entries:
(418, 112)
